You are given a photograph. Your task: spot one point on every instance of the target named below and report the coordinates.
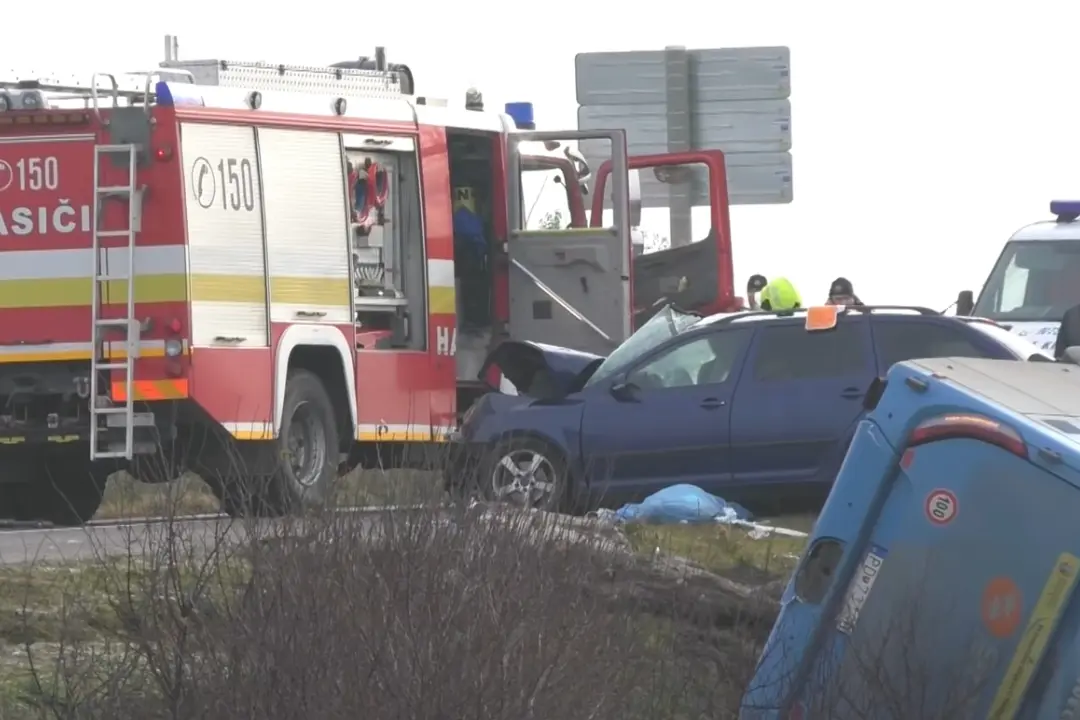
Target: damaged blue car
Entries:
(753, 406)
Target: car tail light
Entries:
(969, 425)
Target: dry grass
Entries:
(126, 497)
(727, 550)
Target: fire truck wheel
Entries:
(526, 471)
(308, 442)
(65, 490)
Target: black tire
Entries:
(305, 478)
(286, 488)
(64, 489)
(522, 451)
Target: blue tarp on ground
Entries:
(682, 504)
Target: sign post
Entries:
(678, 100)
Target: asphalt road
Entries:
(53, 545)
(139, 536)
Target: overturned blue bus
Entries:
(940, 579)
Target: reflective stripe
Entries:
(78, 264)
(250, 430)
(441, 293)
(382, 433)
(61, 278)
(173, 389)
(308, 291)
(401, 433)
(76, 292)
(80, 351)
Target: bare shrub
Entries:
(430, 613)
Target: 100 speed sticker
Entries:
(941, 506)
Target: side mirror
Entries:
(624, 391)
(635, 198)
(1072, 355)
(965, 302)
(874, 393)
(581, 165)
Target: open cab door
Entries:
(699, 276)
(570, 286)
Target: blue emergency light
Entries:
(522, 113)
(1066, 210)
(170, 94)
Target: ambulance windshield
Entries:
(1034, 280)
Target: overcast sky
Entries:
(923, 136)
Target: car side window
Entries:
(789, 352)
(703, 360)
(899, 341)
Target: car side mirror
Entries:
(624, 391)
(634, 178)
(1072, 355)
(965, 302)
(874, 393)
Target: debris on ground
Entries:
(682, 503)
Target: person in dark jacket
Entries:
(841, 292)
(1069, 332)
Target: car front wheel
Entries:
(527, 472)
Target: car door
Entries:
(799, 394)
(905, 337)
(666, 419)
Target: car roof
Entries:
(1048, 230)
(848, 311)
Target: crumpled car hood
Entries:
(544, 372)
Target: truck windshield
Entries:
(665, 324)
(1033, 280)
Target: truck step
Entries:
(111, 366)
(143, 419)
(114, 233)
(111, 410)
(116, 190)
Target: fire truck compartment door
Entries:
(571, 287)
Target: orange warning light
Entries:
(823, 317)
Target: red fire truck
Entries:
(217, 265)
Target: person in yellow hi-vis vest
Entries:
(780, 295)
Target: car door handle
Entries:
(712, 403)
(851, 393)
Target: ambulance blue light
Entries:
(179, 94)
(522, 113)
(1066, 210)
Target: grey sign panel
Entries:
(744, 126)
(677, 100)
(753, 179)
(638, 78)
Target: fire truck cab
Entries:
(216, 265)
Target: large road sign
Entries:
(735, 100)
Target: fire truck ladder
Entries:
(103, 412)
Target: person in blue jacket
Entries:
(471, 260)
